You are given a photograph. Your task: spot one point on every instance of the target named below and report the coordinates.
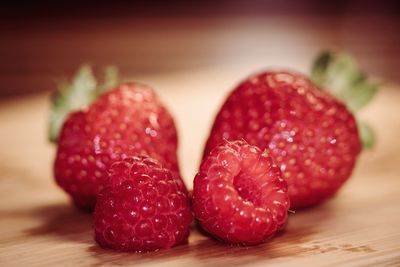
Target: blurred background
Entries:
(43, 41)
(193, 53)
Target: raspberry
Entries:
(142, 207)
(239, 195)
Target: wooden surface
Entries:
(39, 227)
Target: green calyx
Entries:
(77, 94)
(339, 74)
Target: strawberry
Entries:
(141, 207)
(239, 195)
(128, 120)
(310, 134)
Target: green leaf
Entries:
(319, 67)
(70, 97)
(80, 92)
(111, 79)
(360, 95)
(339, 74)
(366, 134)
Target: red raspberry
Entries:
(239, 195)
(141, 208)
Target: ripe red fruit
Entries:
(239, 195)
(126, 121)
(312, 136)
(141, 208)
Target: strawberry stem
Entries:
(339, 74)
(74, 95)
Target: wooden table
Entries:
(38, 226)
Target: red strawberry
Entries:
(141, 207)
(239, 195)
(312, 136)
(126, 121)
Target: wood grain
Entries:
(39, 227)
